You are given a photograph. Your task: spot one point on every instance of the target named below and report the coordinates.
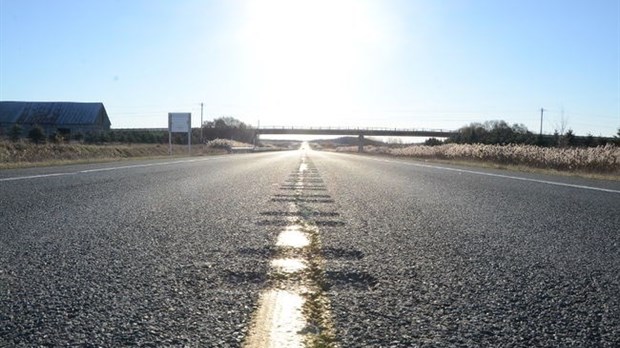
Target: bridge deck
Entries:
(440, 133)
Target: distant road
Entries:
(175, 252)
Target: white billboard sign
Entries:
(179, 122)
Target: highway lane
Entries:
(433, 256)
(163, 254)
(175, 252)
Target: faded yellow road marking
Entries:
(295, 312)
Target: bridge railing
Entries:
(387, 129)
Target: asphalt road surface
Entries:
(176, 252)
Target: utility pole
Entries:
(201, 139)
(541, 120)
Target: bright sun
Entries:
(306, 54)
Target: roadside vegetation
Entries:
(501, 133)
(497, 144)
(220, 128)
(25, 154)
(35, 148)
(601, 159)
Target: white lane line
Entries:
(129, 167)
(87, 171)
(501, 176)
(35, 176)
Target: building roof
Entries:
(56, 113)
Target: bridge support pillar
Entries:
(256, 139)
(360, 144)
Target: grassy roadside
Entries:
(24, 155)
(595, 163)
(520, 168)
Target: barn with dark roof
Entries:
(66, 118)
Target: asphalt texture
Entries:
(175, 253)
(433, 257)
(153, 255)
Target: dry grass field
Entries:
(603, 160)
(25, 154)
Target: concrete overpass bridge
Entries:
(359, 132)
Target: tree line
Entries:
(219, 128)
(490, 132)
(501, 133)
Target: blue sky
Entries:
(388, 63)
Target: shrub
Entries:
(220, 144)
(432, 142)
(15, 133)
(36, 134)
(493, 132)
(78, 136)
(57, 138)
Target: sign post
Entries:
(180, 122)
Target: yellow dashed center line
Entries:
(282, 318)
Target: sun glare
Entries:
(306, 54)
